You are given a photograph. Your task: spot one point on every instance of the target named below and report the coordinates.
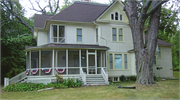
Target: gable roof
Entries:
(80, 12)
(160, 42)
(39, 20)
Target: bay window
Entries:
(118, 61)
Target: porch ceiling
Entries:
(66, 46)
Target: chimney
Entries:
(87, 0)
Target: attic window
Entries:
(120, 17)
(116, 16)
(112, 17)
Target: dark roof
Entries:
(77, 12)
(81, 46)
(39, 20)
(160, 42)
(80, 12)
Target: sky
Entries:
(27, 5)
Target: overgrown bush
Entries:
(131, 78)
(24, 87)
(59, 78)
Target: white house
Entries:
(90, 41)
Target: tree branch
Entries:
(143, 15)
(57, 7)
(156, 7)
(50, 6)
(16, 15)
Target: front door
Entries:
(91, 64)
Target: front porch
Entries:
(79, 61)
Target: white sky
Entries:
(27, 5)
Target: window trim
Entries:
(51, 32)
(160, 52)
(76, 34)
(123, 61)
(117, 34)
(114, 13)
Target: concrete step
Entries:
(89, 76)
(95, 81)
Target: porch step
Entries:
(95, 80)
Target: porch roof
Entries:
(68, 46)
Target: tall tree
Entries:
(144, 52)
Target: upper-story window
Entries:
(79, 35)
(58, 34)
(116, 16)
(159, 52)
(96, 34)
(117, 34)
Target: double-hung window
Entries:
(118, 61)
(159, 52)
(117, 34)
(58, 34)
(79, 35)
(155, 60)
(96, 34)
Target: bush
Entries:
(24, 87)
(176, 68)
(131, 78)
(59, 78)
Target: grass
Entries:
(168, 89)
(176, 74)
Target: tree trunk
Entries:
(144, 52)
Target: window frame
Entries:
(159, 52)
(97, 35)
(113, 16)
(77, 34)
(117, 34)
(51, 33)
(155, 60)
(113, 61)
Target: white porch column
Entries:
(106, 53)
(95, 61)
(79, 60)
(56, 58)
(104, 58)
(53, 61)
(30, 62)
(101, 59)
(66, 61)
(87, 62)
(39, 62)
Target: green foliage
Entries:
(24, 87)
(56, 85)
(59, 78)
(131, 78)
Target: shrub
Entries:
(24, 87)
(131, 78)
(59, 78)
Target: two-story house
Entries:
(88, 40)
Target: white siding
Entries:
(42, 38)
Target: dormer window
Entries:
(57, 34)
(116, 16)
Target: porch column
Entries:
(101, 58)
(87, 61)
(66, 61)
(104, 58)
(79, 60)
(39, 62)
(53, 61)
(56, 58)
(106, 62)
(30, 62)
(95, 61)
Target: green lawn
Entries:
(168, 89)
(176, 74)
(163, 89)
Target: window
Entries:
(116, 16)
(154, 61)
(79, 35)
(96, 34)
(112, 16)
(58, 34)
(118, 61)
(159, 52)
(114, 34)
(117, 34)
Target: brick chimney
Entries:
(87, 0)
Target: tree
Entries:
(144, 53)
(53, 6)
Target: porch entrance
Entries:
(91, 66)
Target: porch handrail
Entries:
(83, 75)
(105, 76)
(17, 78)
(14, 79)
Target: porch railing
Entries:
(14, 79)
(105, 76)
(83, 76)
